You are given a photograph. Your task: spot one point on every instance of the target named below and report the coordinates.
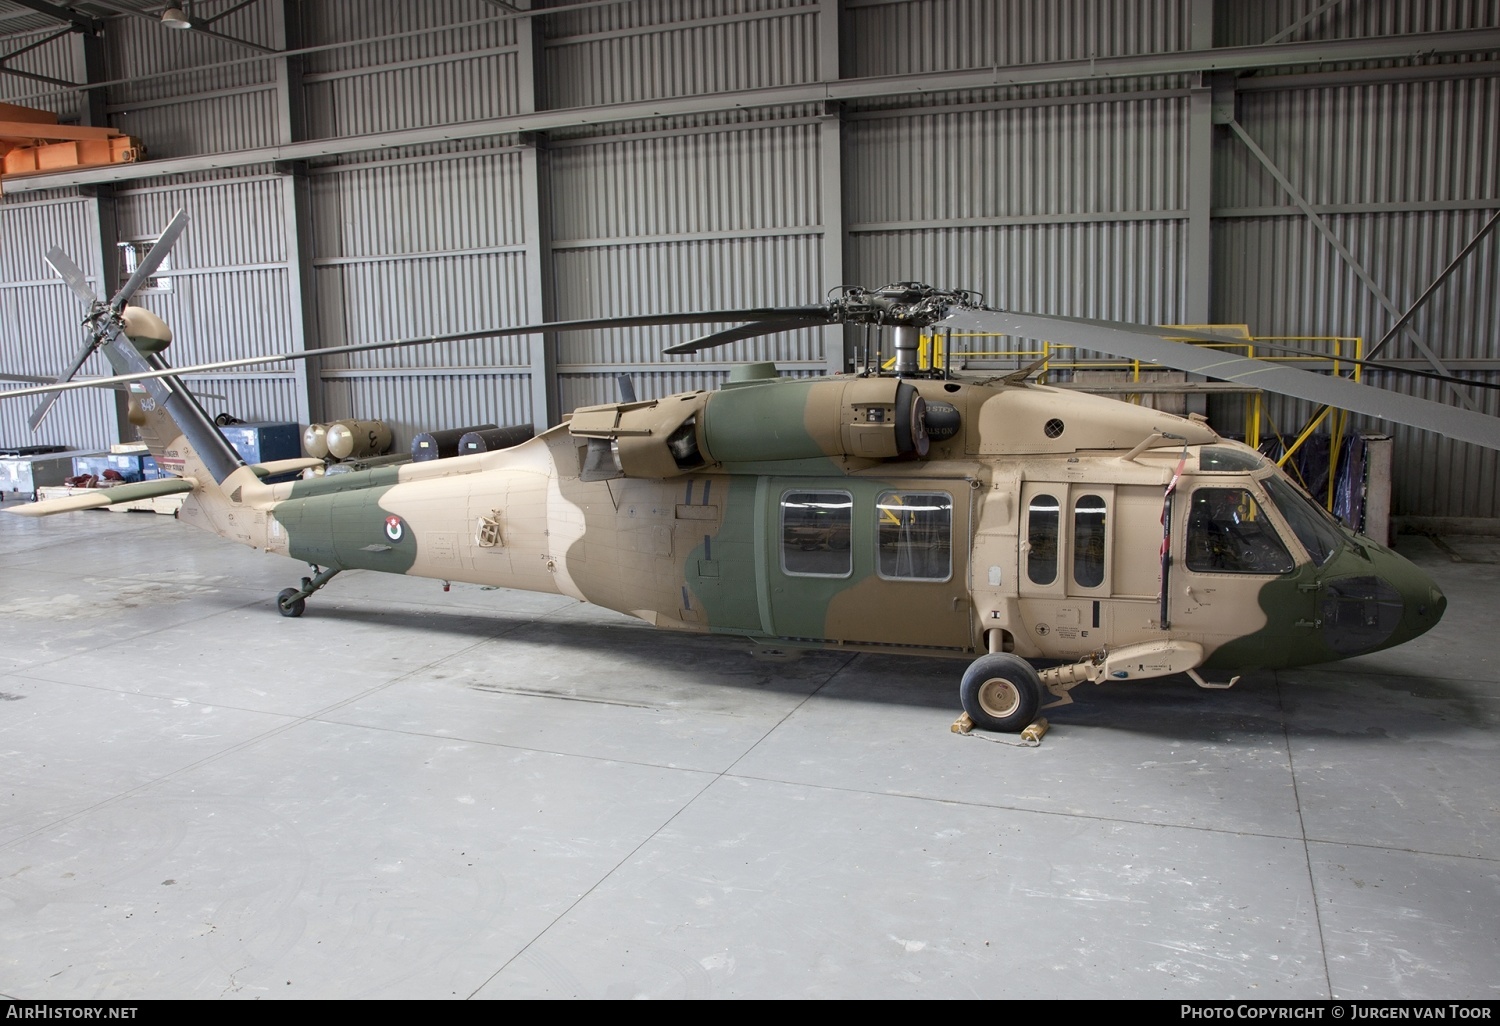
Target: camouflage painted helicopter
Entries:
(1002, 522)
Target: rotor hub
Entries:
(902, 304)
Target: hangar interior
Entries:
(427, 793)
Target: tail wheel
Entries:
(291, 603)
(1001, 692)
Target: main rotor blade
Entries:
(75, 278)
(38, 379)
(591, 324)
(807, 318)
(1155, 345)
(151, 262)
(35, 379)
(45, 406)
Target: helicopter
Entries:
(1003, 522)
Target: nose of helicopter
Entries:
(1423, 600)
(1367, 611)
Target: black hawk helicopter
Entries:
(1001, 522)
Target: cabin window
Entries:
(1088, 541)
(1229, 532)
(915, 532)
(1041, 539)
(815, 533)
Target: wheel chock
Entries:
(1035, 730)
(1030, 737)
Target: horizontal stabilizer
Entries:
(94, 498)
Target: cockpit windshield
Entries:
(1214, 458)
(1314, 528)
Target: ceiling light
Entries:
(173, 18)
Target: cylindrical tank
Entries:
(490, 439)
(358, 438)
(439, 445)
(315, 441)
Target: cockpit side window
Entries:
(1229, 533)
(1314, 528)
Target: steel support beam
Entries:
(1452, 266)
(1200, 179)
(536, 231)
(1306, 19)
(296, 212)
(1343, 251)
(88, 65)
(1198, 272)
(1478, 68)
(539, 284)
(199, 25)
(831, 180)
(6, 58)
(75, 20)
(1090, 70)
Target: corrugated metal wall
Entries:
(692, 214)
(1021, 204)
(421, 243)
(228, 296)
(50, 56)
(231, 107)
(1404, 175)
(660, 48)
(426, 75)
(702, 218)
(1069, 197)
(1245, 24)
(420, 247)
(897, 37)
(40, 319)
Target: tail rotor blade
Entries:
(75, 278)
(147, 267)
(45, 406)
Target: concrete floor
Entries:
(413, 794)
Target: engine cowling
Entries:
(753, 422)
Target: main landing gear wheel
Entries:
(1001, 692)
(290, 602)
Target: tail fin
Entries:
(169, 419)
(221, 490)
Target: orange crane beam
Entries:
(32, 141)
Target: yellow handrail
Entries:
(930, 355)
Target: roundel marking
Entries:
(394, 528)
